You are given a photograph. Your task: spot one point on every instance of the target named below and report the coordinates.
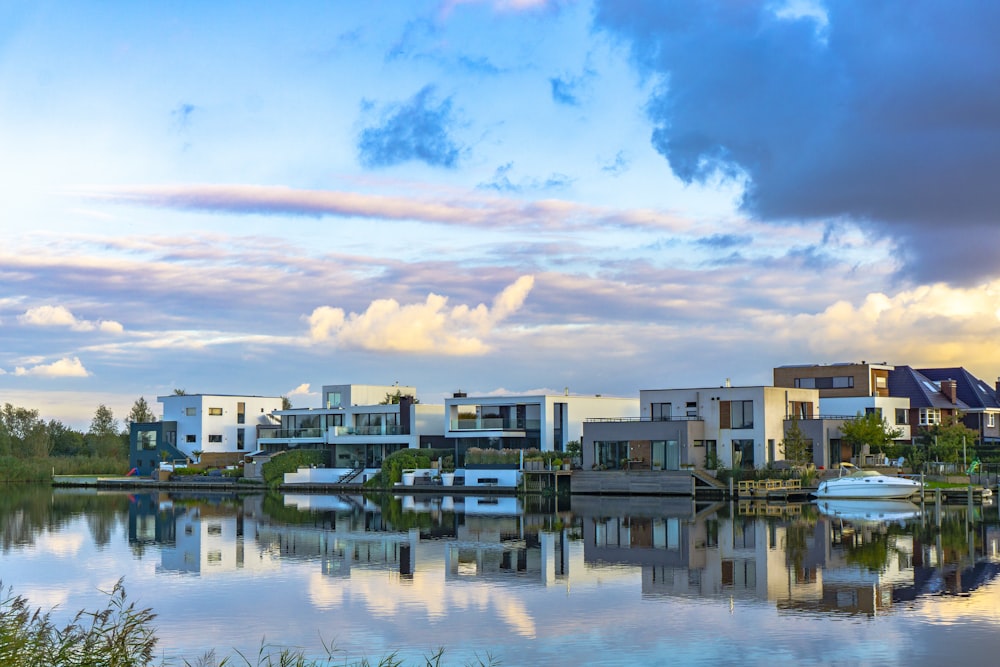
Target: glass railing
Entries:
(495, 424)
(384, 429)
(293, 433)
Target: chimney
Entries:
(950, 389)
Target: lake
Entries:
(587, 581)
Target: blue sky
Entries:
(505, 195)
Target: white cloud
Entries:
(420, 327)
(302, 390)
(60, 316)
(65, 367)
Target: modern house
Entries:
(360, 425)
(216, 429)
(541, 421)
(698, 427)
(839, 380)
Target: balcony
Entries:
(378, 429)
(295, 434)
(495, 424)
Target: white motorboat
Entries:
(856, 483)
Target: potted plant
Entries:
(556, 464)
(408, 475)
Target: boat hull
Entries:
(880, 487)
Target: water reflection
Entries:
(484, 569)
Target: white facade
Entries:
(547, 422)
(756, 417)
(216, 423)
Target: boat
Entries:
(866, 511)
(854, 482)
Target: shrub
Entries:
(274, 470)
(404, 459)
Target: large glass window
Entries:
(902, 416)
(660, 412)
(743, 454)
(241, 412)
(610, 453)
(839, 382)
(741, 414)
(147, 440)
(333, 399)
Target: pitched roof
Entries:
(922, 391)
(975, 393)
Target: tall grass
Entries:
(120, 635)
(15, 469)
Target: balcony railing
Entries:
(382, 429)
(495, 424)
(294, 433)
(642, 419)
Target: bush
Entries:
(404, 459)
(274, 470)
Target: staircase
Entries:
(350, 475)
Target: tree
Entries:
(23, 432)
(286, 403)
(104, 439)
(139, 414)
(63, 440)
(796, 448)
(180, 392)
(944, 441)
(870, 429)
(393, 398)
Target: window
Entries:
(874, 411)
(691, 409)
(215, 412)
(147, 440)
(333, 399)
(240, 438)
(991, 419)
(902, 416)
(189, 438)
(881, 382)
(743, 454)
(660, 412)
(930, 416)
(839, 382)
(741, 414)
(190, 412)
(215, 438)
(241, 412)
(800, 409)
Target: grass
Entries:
(120, 635)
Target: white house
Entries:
(221, 428)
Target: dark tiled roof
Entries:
(971, 390)
(920, 389)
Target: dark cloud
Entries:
(418, 129)
(887, 114)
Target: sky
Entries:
(492, 196)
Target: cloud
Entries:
(447, 6)
(420, 327)
(65, 367)
(502, 183)
(887, 114)
(418, 129)
(565, 91)
(617, 166)
(721, 241)
(457, 210)
(302, 390)
(181, 115)
(60, 316)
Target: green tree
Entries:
(104, 439)
(796, 448)
(944, 441)
(23, 433)
(393, 398)
(139, 414)
(64, 441)
(286, 403)
(180, 392)
(870, 429)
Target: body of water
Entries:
(592, 581)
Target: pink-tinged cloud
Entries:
(419, 327)
(501, 5)
(65, 367)
(60, 316)
(469, 210)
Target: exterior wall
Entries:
(194, 431)
(361, 394)
(869, 379)
(148, 441)
(641, 433)
(771, 405)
